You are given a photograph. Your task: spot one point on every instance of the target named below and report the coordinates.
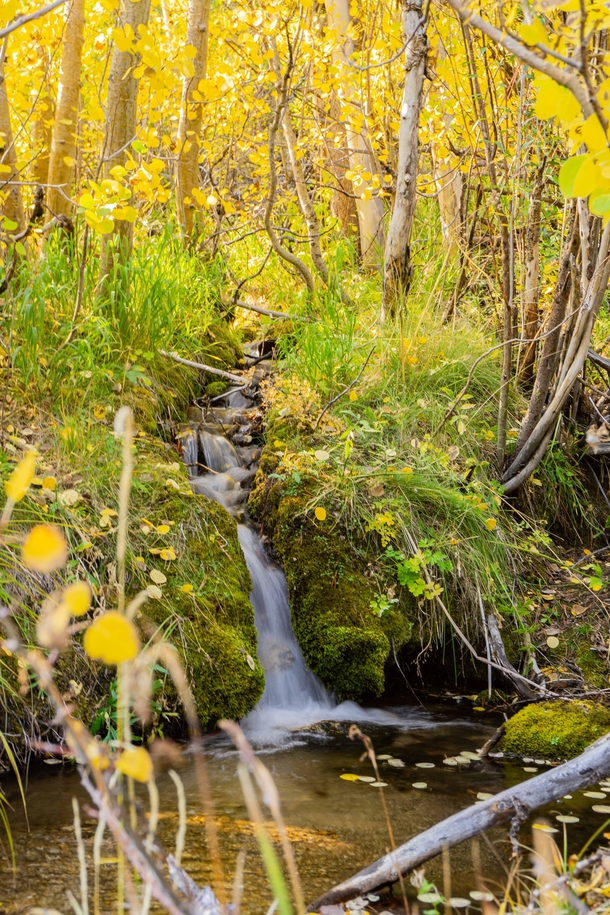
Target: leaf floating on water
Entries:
(463, 760)
(480, 896)
(484, 796)
(457, 902)
(598, 794)
(469, 754)
(563, 818)
(425, 765)
(540, 762)
(450, 761)
(567, 797)
(527, 759)
(378, 784)
(420, 785)
(544, 827)
(385, 756)
(367, 778)
(430, 898)
(530, 769)
(601, 808)
(397, 763)
(350, 777)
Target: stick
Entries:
(267, 311)
(201, 366)
(345, 390)
(585, 770)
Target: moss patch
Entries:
(344, 642)
(555, 730)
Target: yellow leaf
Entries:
(187, 589)
(49, 483)
(533, 34)
(553, 641)
(406, 470)
(320, 513)
(350, 777)
(121, 40)
(353, 396)
(45, 548)
(491, 523)
(19, 481)
(52, 625)
(77, 598)
(112, 638)
(69, 161)
(154, 591)
(157, 576)
(593, 134)
(136, 763)
(168, 555)
(99, 412)
(163, 528)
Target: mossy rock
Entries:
(215, 388)
(344, 642)
(555, 730)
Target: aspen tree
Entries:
(189, 126)
(12, 206)
(397, 267)
(63, 144)
(44, 116)
(371, 213)
(121, 124)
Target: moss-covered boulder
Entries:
(343, 640)
(555, 730)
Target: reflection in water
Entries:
(337, 826)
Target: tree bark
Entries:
(121, 127)
(12, 204)
(532, 277)
(397, 266)
(63, 144)
(448, 183)
(189, 125)
(371, 212)
(43, 123)
(343, 203)
(514, 803)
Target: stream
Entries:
(336, 824)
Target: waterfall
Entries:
(293, 695)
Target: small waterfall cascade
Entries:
(222, 461)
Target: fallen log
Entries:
(199, 365)
(513, 804)
(268, 312)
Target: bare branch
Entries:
(22, 20)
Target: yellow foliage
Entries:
(45, 549)
(112, 638)
(136, 763)
(19, 481)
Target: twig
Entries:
(22, 20)
(345, 390)
(266, 311)
(201, 366)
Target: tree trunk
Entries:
(371, 212)
(532, 277)
(121, 127)
(512, 804)
(189, 126)
(42, 128)
(12, 203)
(343, 203)
(63, 145)
(398, 268)
(448, 182)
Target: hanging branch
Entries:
(201, 366)
(345, 390)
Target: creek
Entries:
(337, 825)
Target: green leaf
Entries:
(8, 224)
(568, 173)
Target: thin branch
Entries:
(345, 390)
(22, 20)
(267, 311)
(200, 366)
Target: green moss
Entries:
(594, 668)
(555, 730)
(344, 642)
(215, 388)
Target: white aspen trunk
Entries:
(448, 183)
(121, 125)
(63, 144)
(189, 126)
(397, 267)
(371, 213)
(12, 202)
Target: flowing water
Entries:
(337, 826)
